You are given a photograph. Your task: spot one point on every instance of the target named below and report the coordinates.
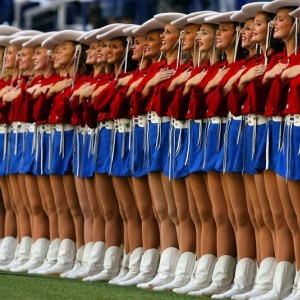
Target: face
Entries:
(152, 44)
(91, 53)
(10, 57)
(65, 53)
(246, 34)
(115, 51)
(283, 24)
(169, 38)
(102, 52)
(138, 48)
(259, 28)
(54, 57)
(206, 37)
(225, 35)
(1, 55)
(25, 58)
(188, 39)
(40, 58)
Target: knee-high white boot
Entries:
(166, 270)
(148, 268)
(202, 276)
(7, 250)
(134, 265)
(282, 283)
(50, 260)
(243, 279)
(77, 264)
(263, 280)
(293, 294)
(222, 277)
(183, 272)
(22, 254)
(37, 255)
(111, 265)
(65, 258)
(124, 268)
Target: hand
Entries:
(195, 80)
(276, 70)
(59, 86)
(5, 90)
(99, 90)
(250, 75)
(133, 86)
(43, 89)
(11, 95)
(33, 88)
(123, 81)
(216, 80)
(179, 80)
(290, 73)
(232, 80)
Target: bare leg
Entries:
(186, 226)
(40, 219)
(2, 217)
(225, 233)
(109, 203)
(208, 233)
(65, 220)
(245, 238)
(150, 230)
(45, 187)
(98, 229)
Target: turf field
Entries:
(25, 287)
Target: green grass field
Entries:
(23, 286)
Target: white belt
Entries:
(253, 120)
(63, 127)
(80, 129)
(276, 119)
(31, 127)
(106, 124)
(89, 130)
(141, 120)
(217, 120)
(180, 124)
(231, 116)
(123, 125)
(200, 120)
(19, 127)
(45, 128)
(293, 119)
(154, 118)
(4, 128)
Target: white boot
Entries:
(111, 265)
(65, 258)
(134, 265)
(124, 269)
(263, 280)
(38, 253)
(293, 294)
(77, 264)
(148, 268)
(282, 283)
(221, 279)
(243, 279)
(7, 250)
(13, 262)
(166, 270)
(83, 268)
(202, 275)
(50, 260)
(183, 272)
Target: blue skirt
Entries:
(288, 161)
(213, 145)
(177, 163)
(158, 143)
(87, 165)
(120, 155)
(16, 149)
(196, 152)
(230, 159)
(102, 150)
(62, 152)
(4, 139)
(138, 157)
(28, 161)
